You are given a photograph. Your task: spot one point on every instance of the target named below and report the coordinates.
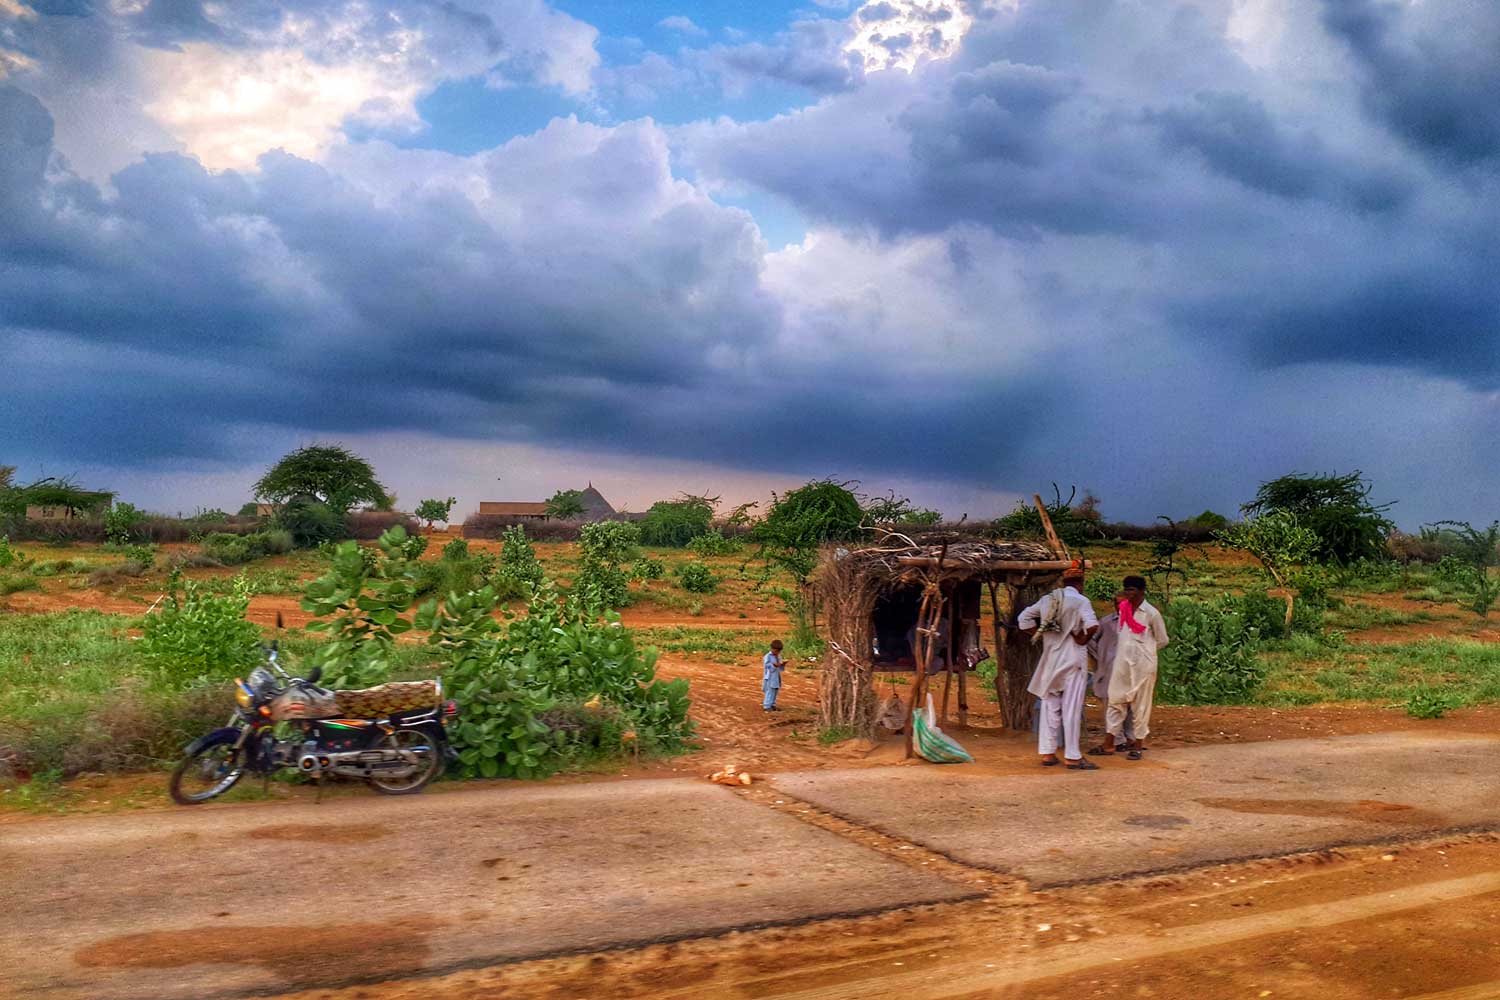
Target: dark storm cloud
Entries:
(1431, 70)
(1295, 232)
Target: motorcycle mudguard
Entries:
(228, 734)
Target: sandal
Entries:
(1101, 752)
(1134, 754)
(1051, 763)
(1083, 765)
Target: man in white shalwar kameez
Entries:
(1066, 620)
(1132, 681)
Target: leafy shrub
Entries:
(1101, 588)
(512, 680)
(697, 578)
(228, 549)
(1259, 611)
(10, 556)
(311, 523)
(713, 543)
(361, 603)
(675, 523)
(601, 582)
(521, 571)
(196, 637)
(143, 554)
(1211, 659)
(455, 571)
(1428, 703)
(648, 569)
(1074, 525)
(121, 522)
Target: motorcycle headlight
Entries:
(242, 695)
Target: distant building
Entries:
(50, 513)
(267, 509)
(525, 511)
(595, 508)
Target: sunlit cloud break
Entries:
(902, 34)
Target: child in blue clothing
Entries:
(773, 664)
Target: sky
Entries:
(961, 249)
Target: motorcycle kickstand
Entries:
(319, 782)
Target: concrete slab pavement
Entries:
(1176, 808)
(212, 902)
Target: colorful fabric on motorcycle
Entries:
(302, 703)
(387, 699)
(931, 742)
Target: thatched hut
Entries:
(914, 605)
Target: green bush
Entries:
(521, 571)
(1211, 659)
(675, 523)
(456, 571)
(713, 543)
(601, 582)
(648, 569)
(1260, 611)
(513, 680)
(222, 547)
(197, 637)
(121, 522)
(361, 602)
(1101, 588)
(1427, 703)
(14, 583)
(10, 556)
(312, 523)
(697, 578)
(230, 549)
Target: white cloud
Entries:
(903, 34)
(242, 79)
(682, 24)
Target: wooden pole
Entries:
(1052, 539)
(963, 698)
(999, 627)
(925, 622)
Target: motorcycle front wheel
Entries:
(206, 773)
(429, 757)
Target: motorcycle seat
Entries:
(386, 700)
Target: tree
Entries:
(1336, 509)
(1074, 525)
(565, 505)
(1478, 550)
(329, 474)
(802, 520)
(433, 511)
(6, 474)
(249, 509)
(675, 523)
(1278, 541)
(898, 512)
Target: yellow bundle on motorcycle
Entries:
(387, 699)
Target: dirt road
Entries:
(678, 888)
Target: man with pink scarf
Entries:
(1132, 681)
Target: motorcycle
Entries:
(394, 737)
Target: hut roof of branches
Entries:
(901, 560)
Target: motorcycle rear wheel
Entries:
(421, 745)
(216, 767)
